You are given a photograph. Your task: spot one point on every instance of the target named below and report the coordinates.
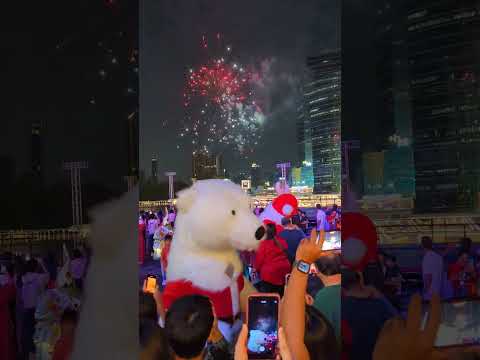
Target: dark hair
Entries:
(31, 266)
(350, 278)
(188, 325)
(69, 316)
(427, 242)
(466, 243)
(77, 254)
(168, 237)
(329, 265)
(320, 337)
(271, 231)
(318, 206)
(314, 285)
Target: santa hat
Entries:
(286, 205)
(359, 241)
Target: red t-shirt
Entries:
(63, 348)
(271, 261)
(222, 300)
(164, 257)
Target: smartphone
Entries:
(151, 284)
(332, 241)
(460, 323)
(262, 322)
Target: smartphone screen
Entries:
(151, 285)
(460, 324)
(332, 241)
(262, 326)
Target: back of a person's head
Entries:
(77, 254)
(427, 242)
(286, 221)
(329, 265)
(318, 206)
(31, 266)
(320, 337)
(69, 320)
(350, 278)
(271, 231)
(314, 285)
(466, 243)
(188, 324)
(168, 237)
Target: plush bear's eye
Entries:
(234, 212)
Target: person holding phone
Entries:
(315, 338)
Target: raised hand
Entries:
(310, 249)
(402, 339)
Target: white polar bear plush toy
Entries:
(214, 221)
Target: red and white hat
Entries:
(359, 241)
(286, 205)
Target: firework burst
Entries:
(220, 106)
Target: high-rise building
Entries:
(393, 125)
(36, 148)
(256, 176)
(319, 122)
(204, 165)
(443, 42)
(154, 173)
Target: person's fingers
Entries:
(433, 323)
(414, 317)
(313, 236)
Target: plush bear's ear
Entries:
(185, 199)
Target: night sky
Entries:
(170, 38)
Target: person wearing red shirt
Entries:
(271, 262)
(64, 346)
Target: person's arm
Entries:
(293, 306)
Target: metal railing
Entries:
(31, 240)
(439, 232)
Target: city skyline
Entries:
(282, 45)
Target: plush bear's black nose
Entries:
(260, 233)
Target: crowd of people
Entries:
(40, 298)
(333, 312)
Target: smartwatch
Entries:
(302, 266)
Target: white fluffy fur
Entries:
(108, 327)
(207, 234)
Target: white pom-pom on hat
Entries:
(287, 209)
(353, 251)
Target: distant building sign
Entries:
(246, 185)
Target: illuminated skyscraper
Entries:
(319, 121)
(443, 42)
(205, 165)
